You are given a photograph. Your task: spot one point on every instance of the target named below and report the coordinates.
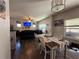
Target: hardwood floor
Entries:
(26, 49)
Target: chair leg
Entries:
(54, 53)
(41, 51)
(45, 56)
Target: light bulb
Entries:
(34, 25)
(18, 25)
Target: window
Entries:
(43, 27)
(72, 28)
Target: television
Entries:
(27, 24)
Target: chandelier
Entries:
(29, 18)
(57, 5)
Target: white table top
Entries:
(54, 39)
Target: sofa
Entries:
(29, 34)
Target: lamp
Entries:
(18, 24)
(57, 5)
(34, 25)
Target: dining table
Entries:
(62, 44)
(53, 43)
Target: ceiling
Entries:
(38, 9)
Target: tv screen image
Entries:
(27, 24)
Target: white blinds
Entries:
(72, 22)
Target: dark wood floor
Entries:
(27, 49)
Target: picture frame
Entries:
(59, 22)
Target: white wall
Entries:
(5, 35)
(49, 23)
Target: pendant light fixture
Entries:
(57, 5)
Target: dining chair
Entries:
(37, 40)
(47, 48)
(36, 36)
(44, 47)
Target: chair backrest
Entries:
(42, 42)
(36, 36)
(59, 36)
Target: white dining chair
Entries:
(47, 49)
(37, 41)
(43, 47)
(36, 36)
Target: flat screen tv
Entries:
(27, 24)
